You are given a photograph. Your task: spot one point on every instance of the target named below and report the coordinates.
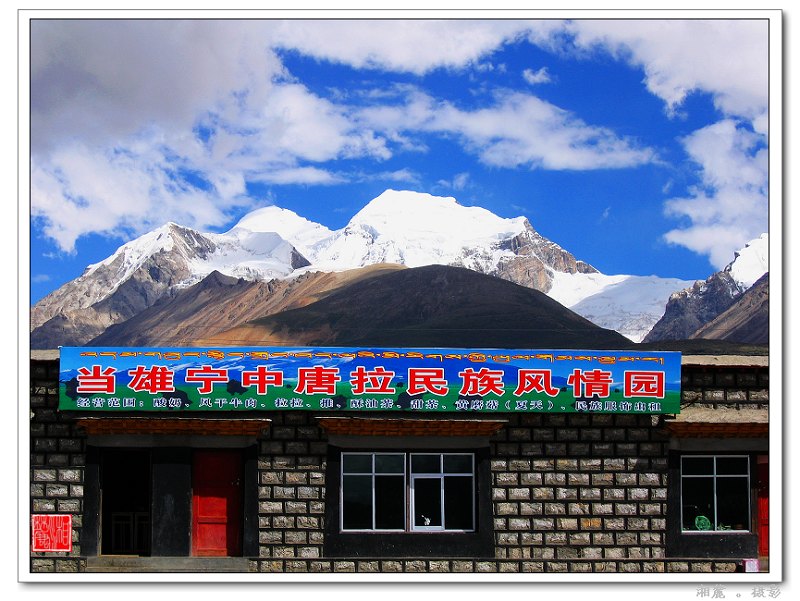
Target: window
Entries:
(408, 492)
(715, 493)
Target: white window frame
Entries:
(440, 475)
(372, 473)
(715, 477)
(409, 479)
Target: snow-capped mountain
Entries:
(417, 229)
(410, 228)
(693, 307)
(169, 258)
(750, 263)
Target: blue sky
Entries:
(638, 145)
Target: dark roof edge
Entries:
(707, 360)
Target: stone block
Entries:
(507, 509)
(531, 479)
(414, 565)
(555, 508)
(295, 537)
(519, 494)
(519, 523)
(391, 566)
(565, 494)
(68, 506)
(463, 566)
(506, 479)
(555, 449)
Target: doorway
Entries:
(763, 506)
(217, 503)
(125, 485)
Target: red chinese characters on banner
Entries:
(535, 380)
(644, 384)
(96, 380)
(594, 383)
(206, 376)
(373, 381)
(317, 380)
(481, 382)
(51, 532)
(426, 379)
(261, 378)
(153, 379)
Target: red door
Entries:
(763, 507)
(216, 503)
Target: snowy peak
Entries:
(290, 226)
(417, 229)
(169, 238)
(750, 263)
(404, 215)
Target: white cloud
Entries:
(523, 130)
(730, 205)
(80, 190)
(98, 80)
(415, 46)
(536, 77)
(727, 58)
(518, 130)
(123, 110)
(300, 175)
(114, 104)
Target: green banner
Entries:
(368, 379)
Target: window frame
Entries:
(722, 544)
(715, 477)
(410, 478)
(410, 544)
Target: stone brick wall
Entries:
(57, 461)
(712, 386)
(291, 491)
(570, 493)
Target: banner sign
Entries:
(368, 379)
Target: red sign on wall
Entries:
(51, 532)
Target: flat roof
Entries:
(699, 360)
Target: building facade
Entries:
(338, 492)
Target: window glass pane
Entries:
(458, 464)
(389, 464)
(426, 464)
(732, 465)
(390, 503)
(733, 507)
(427, 502)
(357, 502)
(697, 503)
(458, 500)
(697, 465)
(356, 463)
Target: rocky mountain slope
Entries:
(438, 306)
(219, 302)
(691, 308)
(746, 321)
